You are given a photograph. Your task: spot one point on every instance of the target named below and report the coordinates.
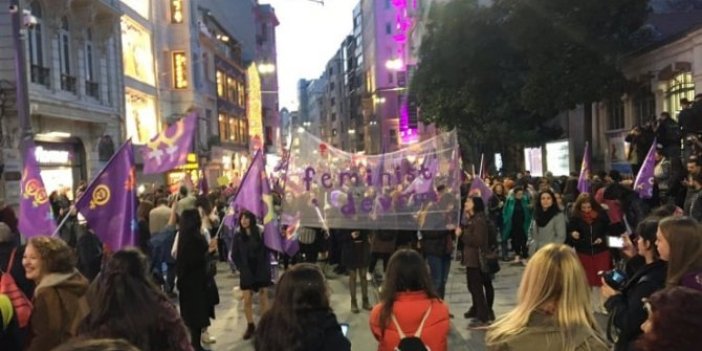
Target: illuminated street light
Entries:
(352, 131)
(394, 65)
(300, 129)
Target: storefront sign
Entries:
(533, 161)
(558, 158)
(176, 11)
(180, 70)
(54, 157)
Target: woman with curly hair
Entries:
(673, 322)
(125, 304)
(301, 317)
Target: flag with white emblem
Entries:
(169, 149)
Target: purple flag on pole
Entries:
(169, 149)
(35, 217)
(109, 202)
(584, 179)
(481, 189)
(643, 184)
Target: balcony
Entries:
(68, 83)
(40, 75)
(92, 89)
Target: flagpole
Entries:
(91, 184)
(480, 174)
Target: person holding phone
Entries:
(625, 306)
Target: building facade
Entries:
(267, 59)
(76, 90)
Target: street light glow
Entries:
(394, 64)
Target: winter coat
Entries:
(191, 274)
(409, 309)
(247, 251)
(507, 213)
(383, 241)
(355, 253)
(18, 273)
(542, 334)
(437, 242)
(495, 209)
(661, 173)
(691, 198)
(627, 310)
(588, 234)
(475, 237)
(553, 232)
(323, 333)
(10, 338)
(59, 307)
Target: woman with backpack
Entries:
(410, 316)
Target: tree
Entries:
(501, 73)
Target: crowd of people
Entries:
(606, 252)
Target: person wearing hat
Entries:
(661, 174)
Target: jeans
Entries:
(439, 267)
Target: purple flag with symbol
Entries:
(169, 149)
(109, 202)
(256, 197)
(478, 187)
(35, 217)
(584, 179)
(643, 184)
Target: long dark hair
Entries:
(407, 271)
(123, 302)
(541, 215)
(253, 227)
(675, 321)
(189, 230)
(290, 321)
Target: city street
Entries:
(230, 324)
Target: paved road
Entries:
(230, 324)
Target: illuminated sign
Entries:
(137, 53)
(254, 107)
(52, 156)
(176, 11)
(140, 115)
(180, 70)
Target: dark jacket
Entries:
(475, 237)
(437, 242)
(324, 333)
(355, 253)
(626, 310)
(59, 307)
(246, 251)
(10, 338)
(383, 241)
(191, 272)
(588, 234)
(27, 286)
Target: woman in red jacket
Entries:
(408, 300)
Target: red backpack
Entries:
(22, 305)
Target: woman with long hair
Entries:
(624, 303)
(126, 304)
(587, 233)
(679, 241)
(143, 210)
(210, 224)
(301, 317)
(673, 321)
(191, 272)
(549, 224)
(552, 312)
(59, 298)
(474, 232)
(409, 305)
(251, 257)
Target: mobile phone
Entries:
(615, 242)
(344, 329)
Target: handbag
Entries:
(489, 261)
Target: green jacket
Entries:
(542, 334)
(507, 215)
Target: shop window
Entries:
(679, 87)
(615, 112)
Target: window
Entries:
(89, 68)
(223, 130)
(231, 89)
(387, 4)
(615, 111)
(36, 57)
(333, 102)
(644, 105)
(65, 47)
(388, 28)
(220, 84)
(333, 116)
(391, 77)
(393, 136)
(233, 130)
(333, 132)
(679, 87)
(176, 11)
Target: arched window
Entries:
(39, 74)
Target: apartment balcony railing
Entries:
(40, 75)
(68, 83)
(92, 89)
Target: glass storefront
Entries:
(137, 52)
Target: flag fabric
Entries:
(169, 149)
(478, 187)
(643, 184)
(256, 197)
(584, 179)
(109, 203)
(35, 217)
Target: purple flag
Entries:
(169, 149)
(643, 184)
(584, 179)
(35, 217)
(481, 189)
(109, 203)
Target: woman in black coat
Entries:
(252, 258)
(355, 255)
(191, 271)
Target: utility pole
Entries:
(19, 30)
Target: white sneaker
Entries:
(369, 276)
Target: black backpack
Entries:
(412, 343)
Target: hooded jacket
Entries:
(59, 307)
(542, 334)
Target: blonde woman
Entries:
(553, 310)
